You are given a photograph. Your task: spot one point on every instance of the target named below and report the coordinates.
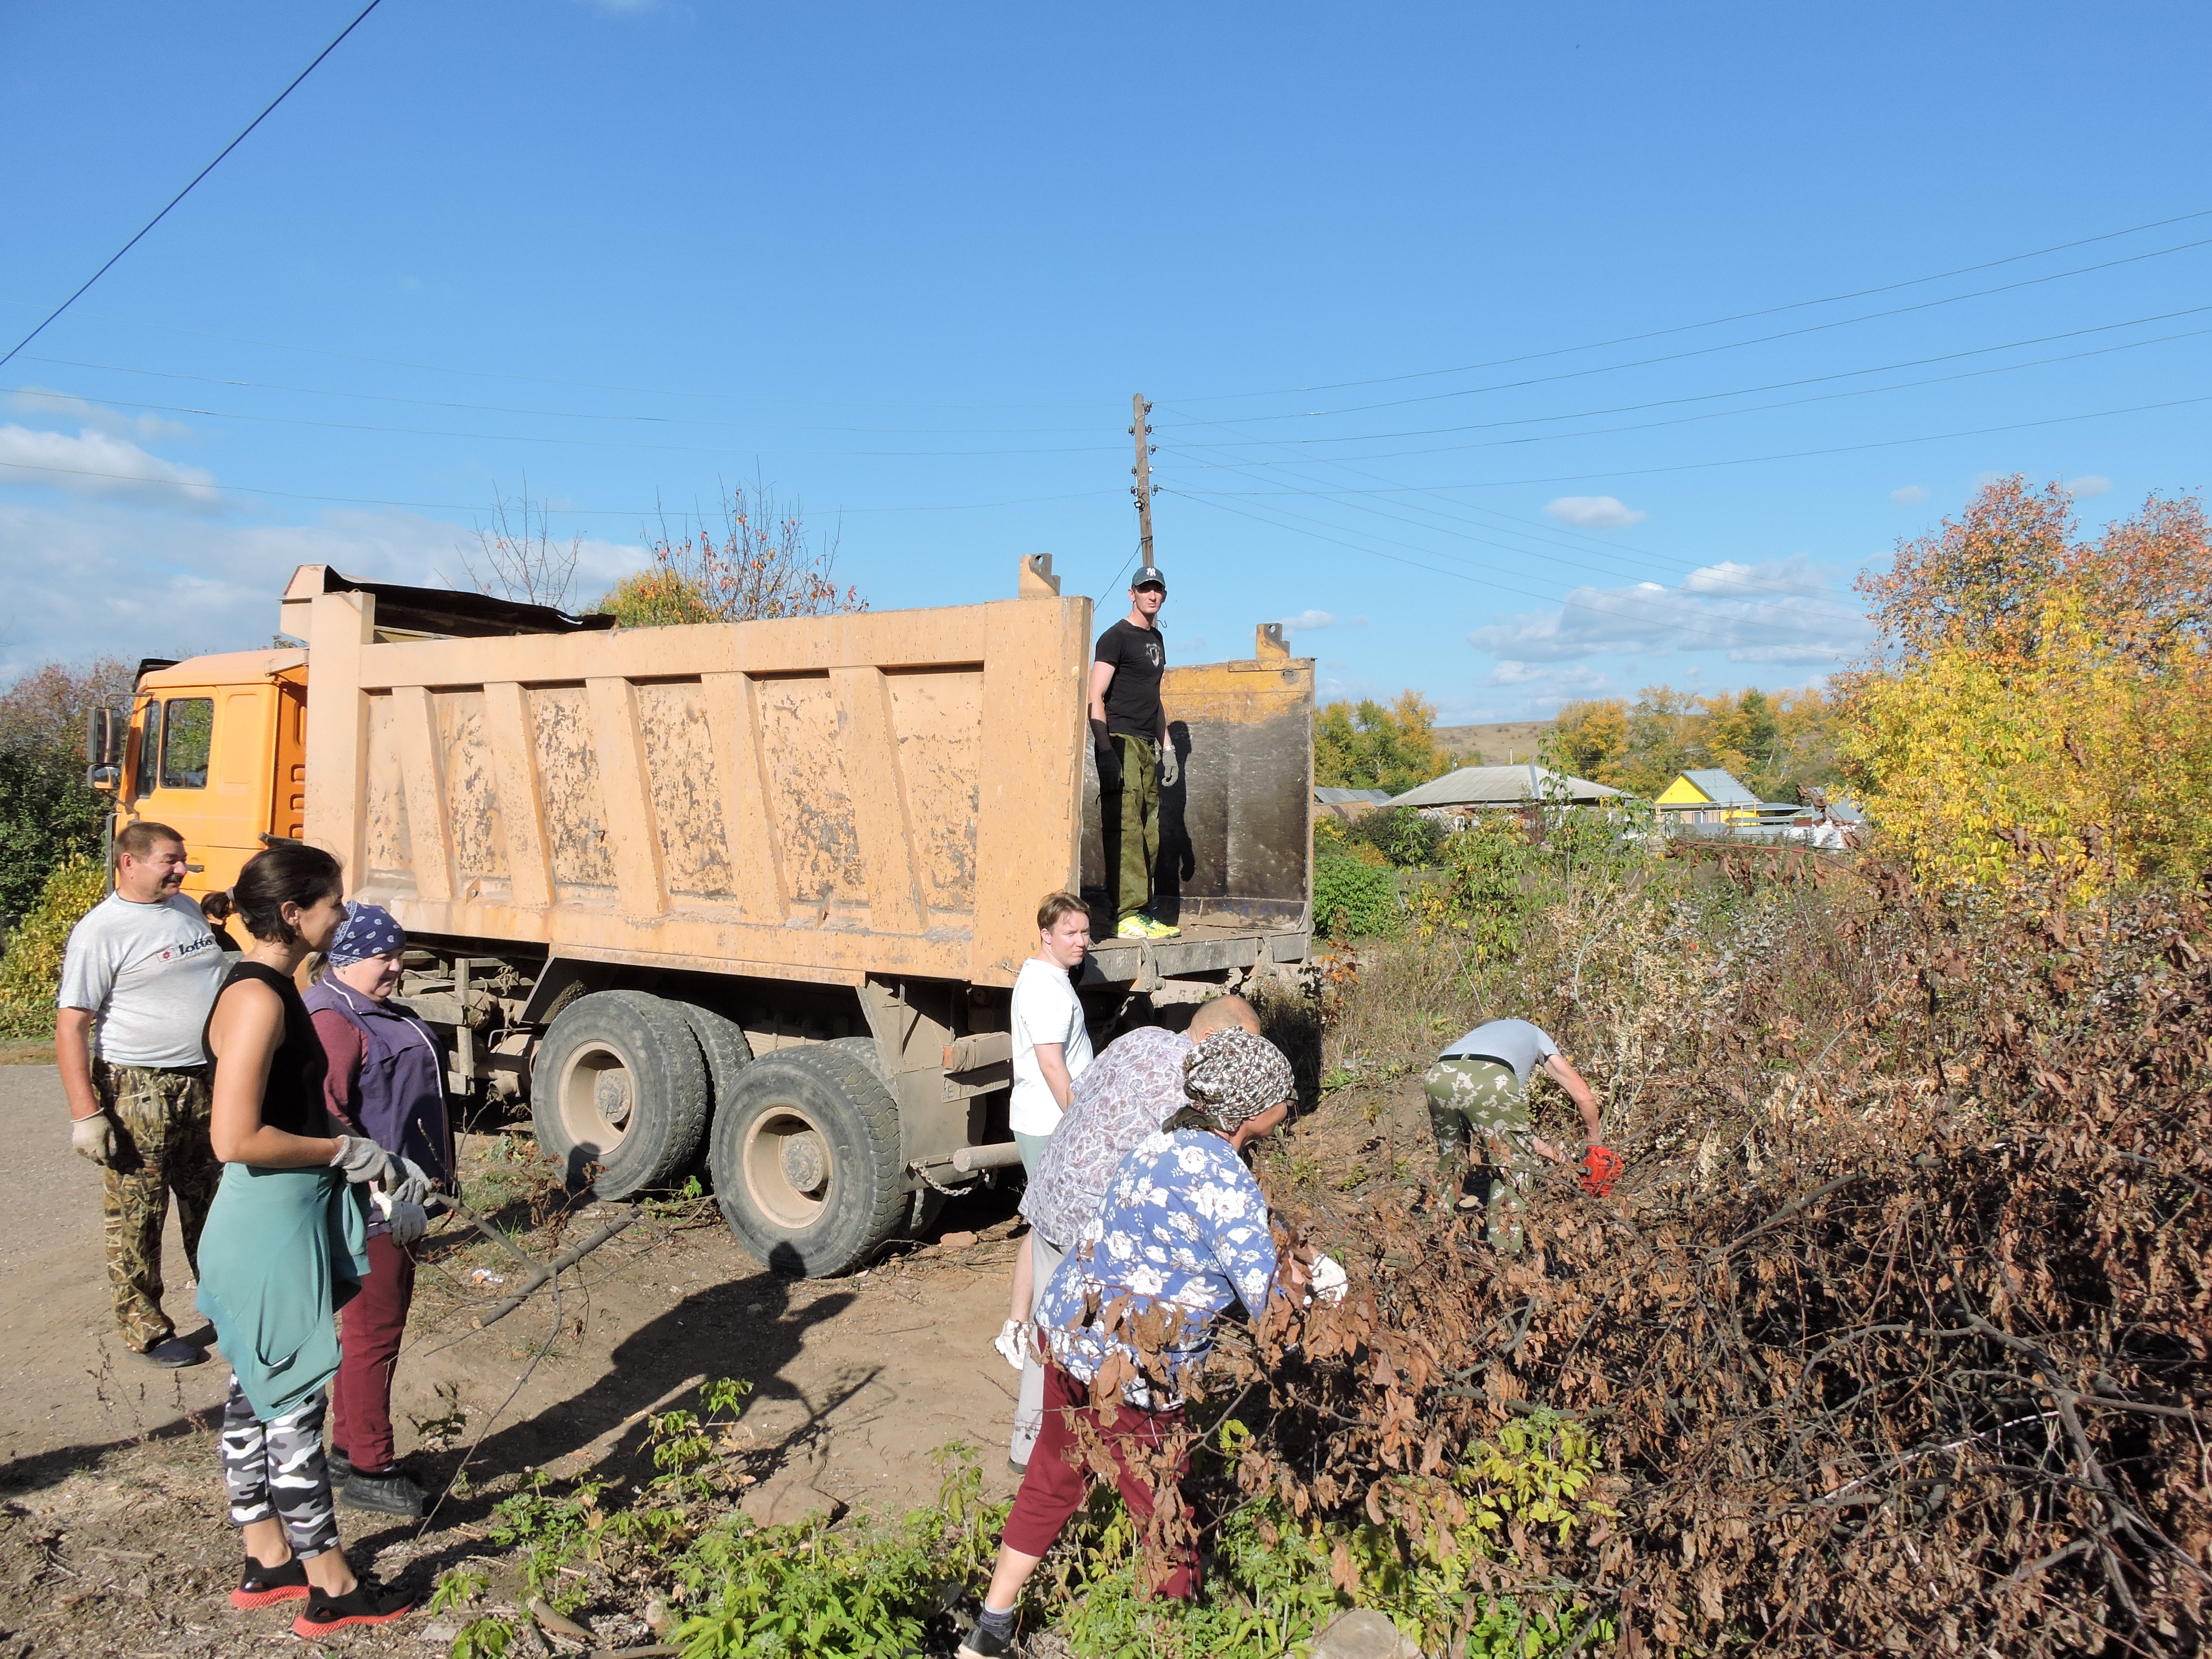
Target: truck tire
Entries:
(722, 1042)
(805, 1159)
(619, 1082)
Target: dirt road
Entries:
(113, 1516)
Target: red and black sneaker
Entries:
(261, 1587)
(366, 1603)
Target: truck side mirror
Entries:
(102, 741)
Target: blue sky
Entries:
(1429, 301)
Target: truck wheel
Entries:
(805, 1157)
(723, 1041)
(619, 1083)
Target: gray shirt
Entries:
(1515, 1041)
(1129, 1091)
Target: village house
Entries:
(1708, 797)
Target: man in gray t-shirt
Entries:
(1477, 1105)
(138, 977)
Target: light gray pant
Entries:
(1029, 1410)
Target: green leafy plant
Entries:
(1353, 900)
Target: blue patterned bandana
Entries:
(369, 930)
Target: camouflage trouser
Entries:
(161, 1147)
(1480, 1100)
(278, 1468)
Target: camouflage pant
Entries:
(161, 1147)
(278, 1470)
(1480, 1100)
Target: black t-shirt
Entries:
(1132, 696)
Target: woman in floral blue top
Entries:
(1182, 1233)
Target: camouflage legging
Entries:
(1481, 1100)
(278, 1468)
(161, 1119)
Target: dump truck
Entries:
(745, 898)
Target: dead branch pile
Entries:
(1916, 1363)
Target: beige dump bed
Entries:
(820, 799)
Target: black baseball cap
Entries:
(1149, 576)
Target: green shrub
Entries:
(1353, 899)
(31, 972)
(1400, 834)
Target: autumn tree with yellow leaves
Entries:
(2036, 701)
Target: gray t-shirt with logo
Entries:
(1518, 1043)
(150, 973)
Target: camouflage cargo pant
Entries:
(1479, 1102)
(161, 1147)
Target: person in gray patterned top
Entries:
(1128, 1092)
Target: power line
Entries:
(1737, 391)
(1797, 454)
(526, 438)
(266, 111)
(508, 408)
(1665, 608)
(144, 481)
(1762, 409)
(1715, 322)
(1712, 350)
(531, 379)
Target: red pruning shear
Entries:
(1600, 1167)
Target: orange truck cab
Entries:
(217, 750)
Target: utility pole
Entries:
(1140, 430)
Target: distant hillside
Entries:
(1495, 744)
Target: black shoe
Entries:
(390, 1493)
(260, 1587)
(367, 1603)
(174, 1353)
(1018, 1469)
(340, 1465)
(980, 1643)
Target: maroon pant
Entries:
(370, 1328)
(1052, 1488)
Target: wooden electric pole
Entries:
(1140, 428)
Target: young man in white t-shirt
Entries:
(1052, 1048)
(138, 977)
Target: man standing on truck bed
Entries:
(144, 966)
(1129, 730)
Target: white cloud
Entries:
(101, 578)
(1594, 512)
(2088, 484)
(1307, 622)
(1779, 610)
(95, 463)
(1910, 495)
(60, 406)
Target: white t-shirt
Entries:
(150, 973)
(1046, 1010)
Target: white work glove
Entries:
(362, 1160)
(1325, 1282)
(93, 1137)
(1170, 767)
(408, 1222)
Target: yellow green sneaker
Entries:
(1155, 928)
(1133, 928)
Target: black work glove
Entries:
(1109, 760)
